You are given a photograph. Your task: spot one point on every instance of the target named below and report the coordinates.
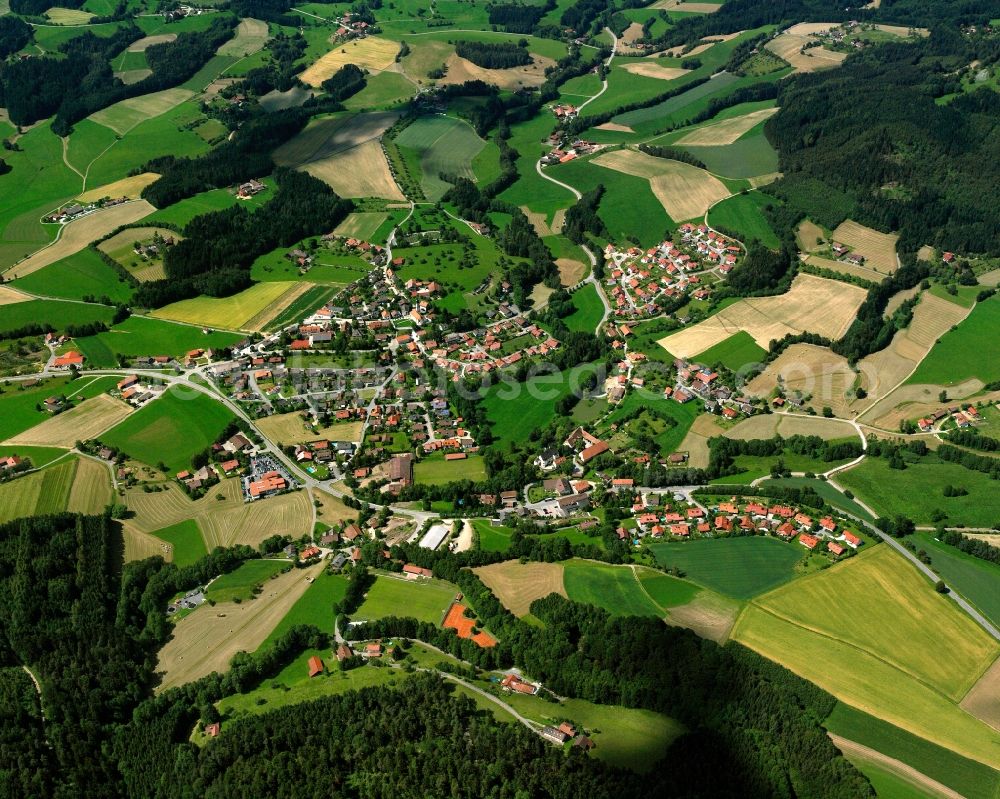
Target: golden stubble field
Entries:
(809, 369)
(725, 131)
(461, 70)
(813, 304)
(290, 428)
(371, 53)
(223, 522)
(684, 191)
(76, 235)
(878, 248)
(648, 70)
(87, 420)
(789, 44)
(346, 153)
(518, 584)
(206, 640)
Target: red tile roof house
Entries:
(413, 572)
(852, 540)
(315, 666)
(808, 541)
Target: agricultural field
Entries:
(743, 215)
(623, 590)
(932, 319)
(737, 567)
(291, 428)
(787, 425)
(918, 491)
(813, 304)
(879, 249)
(170, 429)
(685, 191)
(751, 157)
(56, 488)
(89, 419)
(441, 144)
(789, 46)
(809, 370)
(206, 640)
(909, 664)
(142, 335)
(127, 114)
(969, 351)
(345, 152)
(513, 407)
(20, 407)
(589, 310)
(315, 606)
(251, 309)
(251, 35)
(372, 53)
(126, 187)
(121, 247)
(222, 516)
(734, 353)
(724, 131)
(78, 276)
(239, 584)
(361, 225)
(976, 579)
(186, 542)
(517, 585)
(435, 470)
(970, 778)
(424, 600)
(461, 70)
(75, 235)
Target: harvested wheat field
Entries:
(571, 271)
(811, 28)
(708, 615)
(903, 30)
(789, 47)
(879, 249)
(725, 131)
(539, 222)
(139, 546)
(927, 253)
(991, 278)
(290, 428)
(899, 298)
(9, 296)
(251, 35)
(685, 191)
(809, 369)
(223, 522)
(917, 401)
(810, 236)
(993, 539)
(614, 126)
(148, 41)
(460, 70)
(278, 307)
(813, 304)
(631, 34)
(371, 53)
(844, 268)
(517, 584)
(681, 50)
(786, 425)
(126, 114)
(695, 443)
(331, 509)
(932, 318)
(91, 491)
(76, 235)
(206, 640)
(647, 70)
(87, 420)
(345, 152)
(126, 187)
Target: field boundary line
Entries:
(902, 770)
(649, 596)
(862, 650)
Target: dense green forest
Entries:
(877, 133)
(494, 55)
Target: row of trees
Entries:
(494, 55)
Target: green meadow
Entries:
(140, 335)
(972, 349)
(743, 215)
(171, 429)
(82, 274)
(424, 600)
(738, 567)
(734, 352)
(239, 584)
(186, 539)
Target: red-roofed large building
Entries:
(70, 359)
